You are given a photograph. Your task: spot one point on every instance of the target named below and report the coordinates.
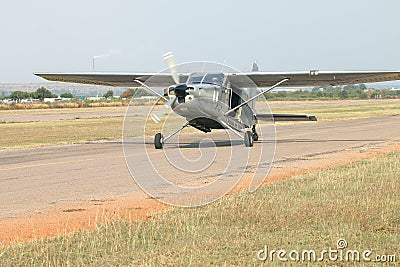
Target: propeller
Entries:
(156, 117)
(169, 58)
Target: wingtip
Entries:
(312, 118)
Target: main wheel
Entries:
(158, 141)
(248, 139)
(255, 136)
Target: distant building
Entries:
(95, 98)
(8, 101)
(148, 97)
(51, 100)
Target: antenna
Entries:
(93, 62)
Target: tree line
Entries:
(334, 92)
(42, 93)
(329, 92)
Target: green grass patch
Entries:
(358, 202)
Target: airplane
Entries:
(218, 100)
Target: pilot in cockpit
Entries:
(215, 81)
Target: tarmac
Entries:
(39, 179)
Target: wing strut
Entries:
(257, 95)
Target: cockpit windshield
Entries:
(206, 78)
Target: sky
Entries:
(132, 35)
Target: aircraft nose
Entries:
(180, 92)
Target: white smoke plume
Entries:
(108, 54)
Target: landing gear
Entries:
(255, 135)
(248, 139)
(158, 141)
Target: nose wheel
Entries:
(248, 139)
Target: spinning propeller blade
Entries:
(169, 58)
(156, 117)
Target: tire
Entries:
(158, 141)
(248, 139)
(255, 136)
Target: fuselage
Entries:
(205, 98)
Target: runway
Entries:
(38, 179)
(45, 115)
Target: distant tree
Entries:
(17, 95)
(42, 93)
(363, 95)
(319, 94)
(282, 94)
(128, 93)
(67, 95)
(350, 87)
(343, 94)
(362, 86)
(109, 94)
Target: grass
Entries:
(57, 105)
(16, 135)
(110, 128)
(358, 202)
(22, 112)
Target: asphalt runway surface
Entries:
(37, 179)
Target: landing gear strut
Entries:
(159, 140)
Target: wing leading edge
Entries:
(240, 80)
(312, 78)
(113, 79)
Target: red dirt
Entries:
(68, 218)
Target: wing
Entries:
(239, 80)
(286, 117)
(311, 78)
(114, 79)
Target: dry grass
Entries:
(106, 104)
(358, 202)
(57, 105)
(65, 110)
(16, 135)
